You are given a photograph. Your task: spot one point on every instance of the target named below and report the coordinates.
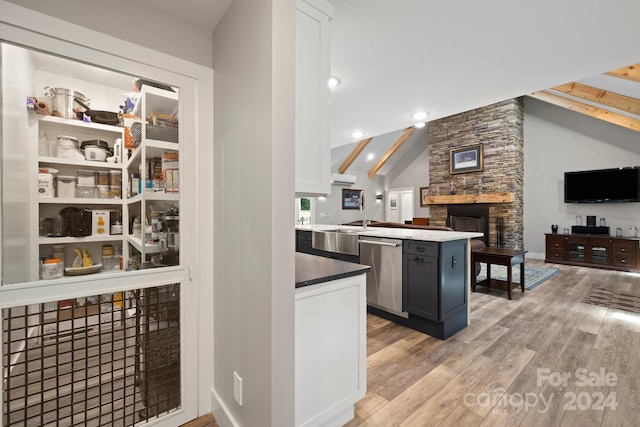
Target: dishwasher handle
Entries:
(375, 242)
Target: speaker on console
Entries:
(591, 220)
(581, 229)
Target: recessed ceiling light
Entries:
(357, 134)
(420, 125)
(420, 115)
(370, 157)
(333, 81)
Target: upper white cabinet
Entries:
(312, 97)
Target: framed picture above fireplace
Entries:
(465, 159)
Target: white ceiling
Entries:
(202, 13)
(375, 150)
(449, 56)
(446, 57)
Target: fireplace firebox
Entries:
(470, 218)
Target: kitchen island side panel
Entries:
(330, 351)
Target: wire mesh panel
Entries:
(158, 349)
(106, 360)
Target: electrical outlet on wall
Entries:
(324, 214)
(237, 387)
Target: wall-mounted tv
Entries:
(602, 186)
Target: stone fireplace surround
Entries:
(499, 128)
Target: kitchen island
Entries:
(419, 277)
(330, 340)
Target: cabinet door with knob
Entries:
(434, 278)
(453, 278)
(420, 294)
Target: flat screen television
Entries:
(602, 186)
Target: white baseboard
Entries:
(534, 255)
(221, 412)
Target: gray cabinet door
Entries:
(453, 285)
(303, 241)
(420, 286)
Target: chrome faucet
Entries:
(363, 210)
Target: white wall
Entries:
(412, 171)
(254, 231)
(332, 204)
(19, 25)
(559, 140)
(135, 22)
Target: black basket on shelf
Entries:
(159, 133)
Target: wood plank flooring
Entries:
(206, 420)
(506, 368)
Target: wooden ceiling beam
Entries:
(601, 96)
(405, 135)
(632, 72)
(354, 155)
(589, 110)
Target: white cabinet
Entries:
(330, 351)
(153, 179)
(312, 145)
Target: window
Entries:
(303, 211)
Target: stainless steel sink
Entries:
(341, 241)
(350, 230)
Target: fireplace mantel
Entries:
(453, 199)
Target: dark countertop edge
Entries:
(312, 269)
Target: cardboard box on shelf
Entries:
(170, 160)
(171, 181)
(100, 223)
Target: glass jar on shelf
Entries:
(43, 144)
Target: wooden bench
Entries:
(498, 256)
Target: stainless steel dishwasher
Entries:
(384, 280)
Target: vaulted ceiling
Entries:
(613, 97)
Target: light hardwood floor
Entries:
(203, 421)
(502, 369)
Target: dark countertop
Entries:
(311, 269)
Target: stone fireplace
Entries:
(497, 190)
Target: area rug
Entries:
(533, 275)
(613, 299)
